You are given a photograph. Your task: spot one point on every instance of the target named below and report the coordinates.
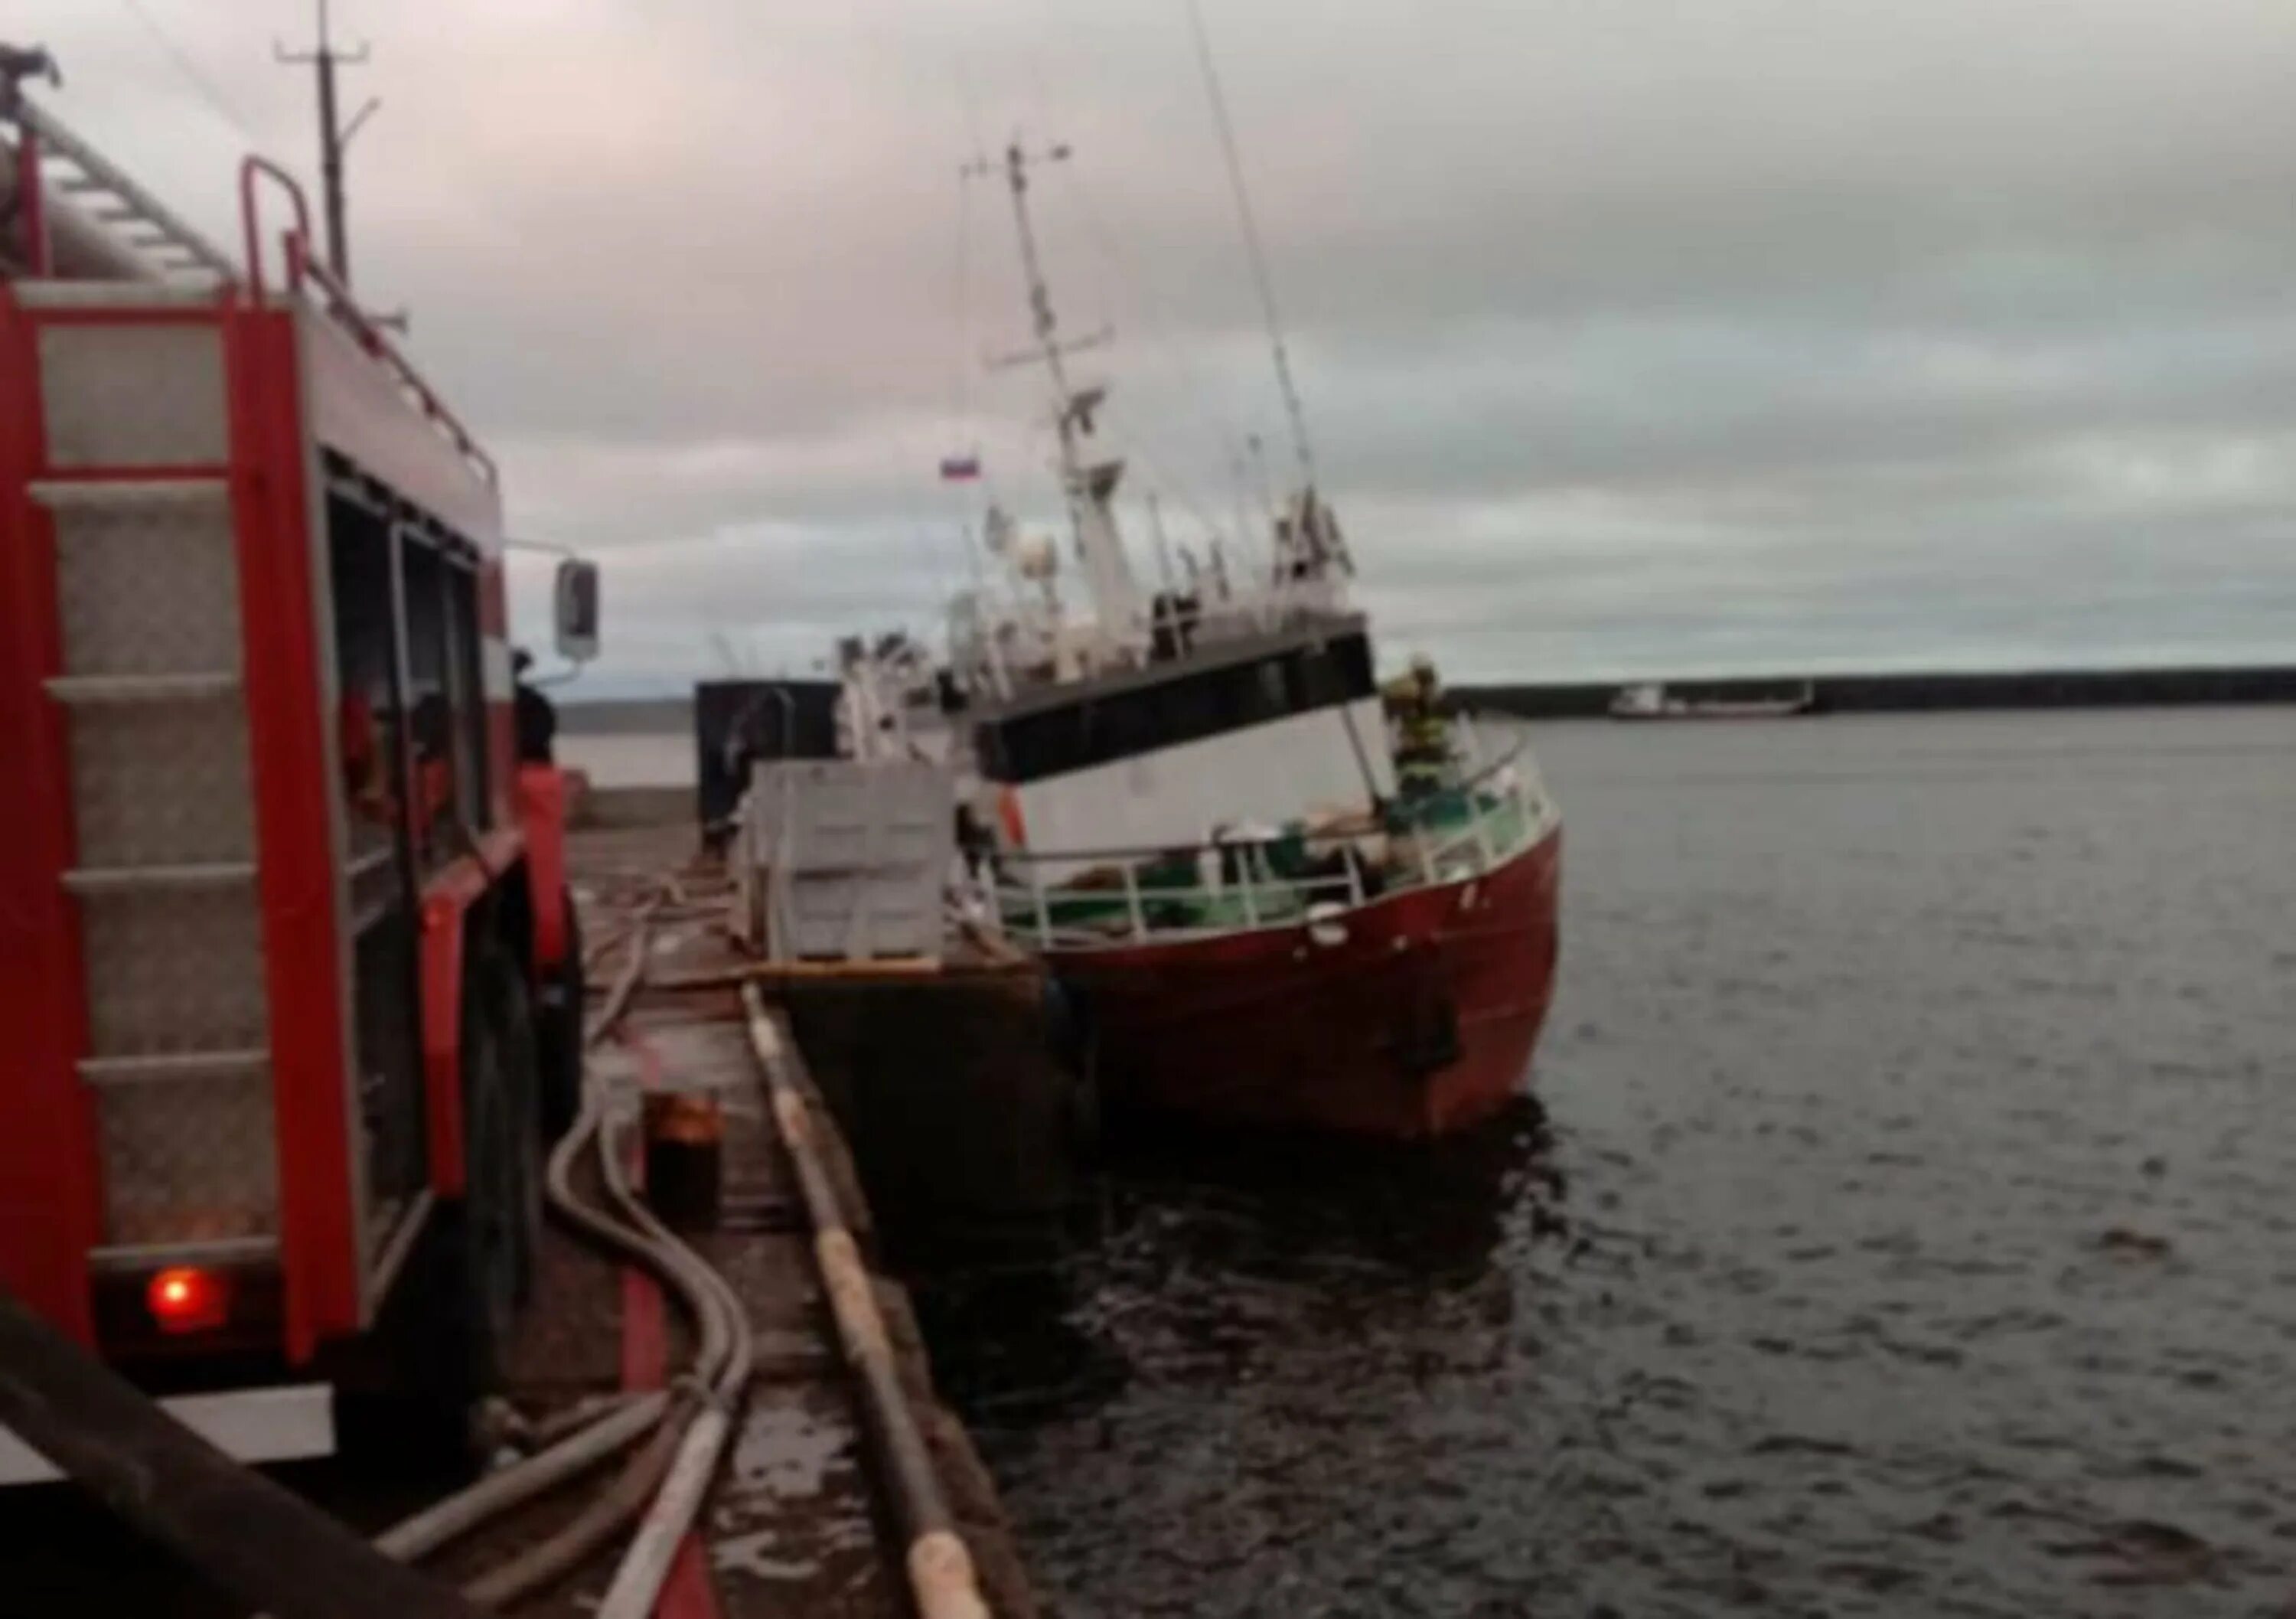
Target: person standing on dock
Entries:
(536, 715)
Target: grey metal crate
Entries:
(854, 856)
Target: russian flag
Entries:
(959, 468)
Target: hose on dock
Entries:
(684, 1428)
(645, 1566)
(618, 1429)
(942, 1580)
(664, 1472)
(458, 1514)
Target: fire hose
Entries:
(662, 1481)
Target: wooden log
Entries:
(261, 1542)
(768, 972)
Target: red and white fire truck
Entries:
(289, 993)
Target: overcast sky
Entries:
(1636, 336)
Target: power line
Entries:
(218, 101)
(1153, 316)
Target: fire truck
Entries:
(290, 996)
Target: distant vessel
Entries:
(1276, 893)
(1652, 701)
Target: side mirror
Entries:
(575, 609)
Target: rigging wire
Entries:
(972, 502)
(1186, 370)
(961, 401)
(1161, 330)
(1224, 439)
(914, 440)
(1253, 247)
(963, 435)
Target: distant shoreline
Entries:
(1905, 693)
(1835, 693)
(628, 717)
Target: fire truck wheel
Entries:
(558, 1016)
(511, 1008)
(485, 1228)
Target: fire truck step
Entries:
(130, 492)
(158, 1256)
(114, 294)
(127, 879)
(142, 688)
(162, 1065)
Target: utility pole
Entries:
(335, 136)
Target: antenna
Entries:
(335, 136)
(1261, 279)
(1049, 348)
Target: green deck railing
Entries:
(1453, 834)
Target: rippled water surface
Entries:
(1912, 1227)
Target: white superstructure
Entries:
(1156, 720)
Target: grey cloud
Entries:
(1640, 334)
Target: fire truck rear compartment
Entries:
(143, 488)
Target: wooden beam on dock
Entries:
(767, 973)
(257, 1539)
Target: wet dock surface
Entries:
(797, 1523)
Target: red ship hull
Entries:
(1420, 1022)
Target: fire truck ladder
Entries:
(166, 871)
(149, 682)
(100, 192)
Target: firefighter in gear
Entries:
(1422, 750)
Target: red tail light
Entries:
(184, 1298)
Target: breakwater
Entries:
(1882, 693)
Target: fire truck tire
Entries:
(484, 1231)
(512, 1009)
(558, 1015)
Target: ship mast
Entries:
(1089, 486)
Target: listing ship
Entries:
(1275, 894)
